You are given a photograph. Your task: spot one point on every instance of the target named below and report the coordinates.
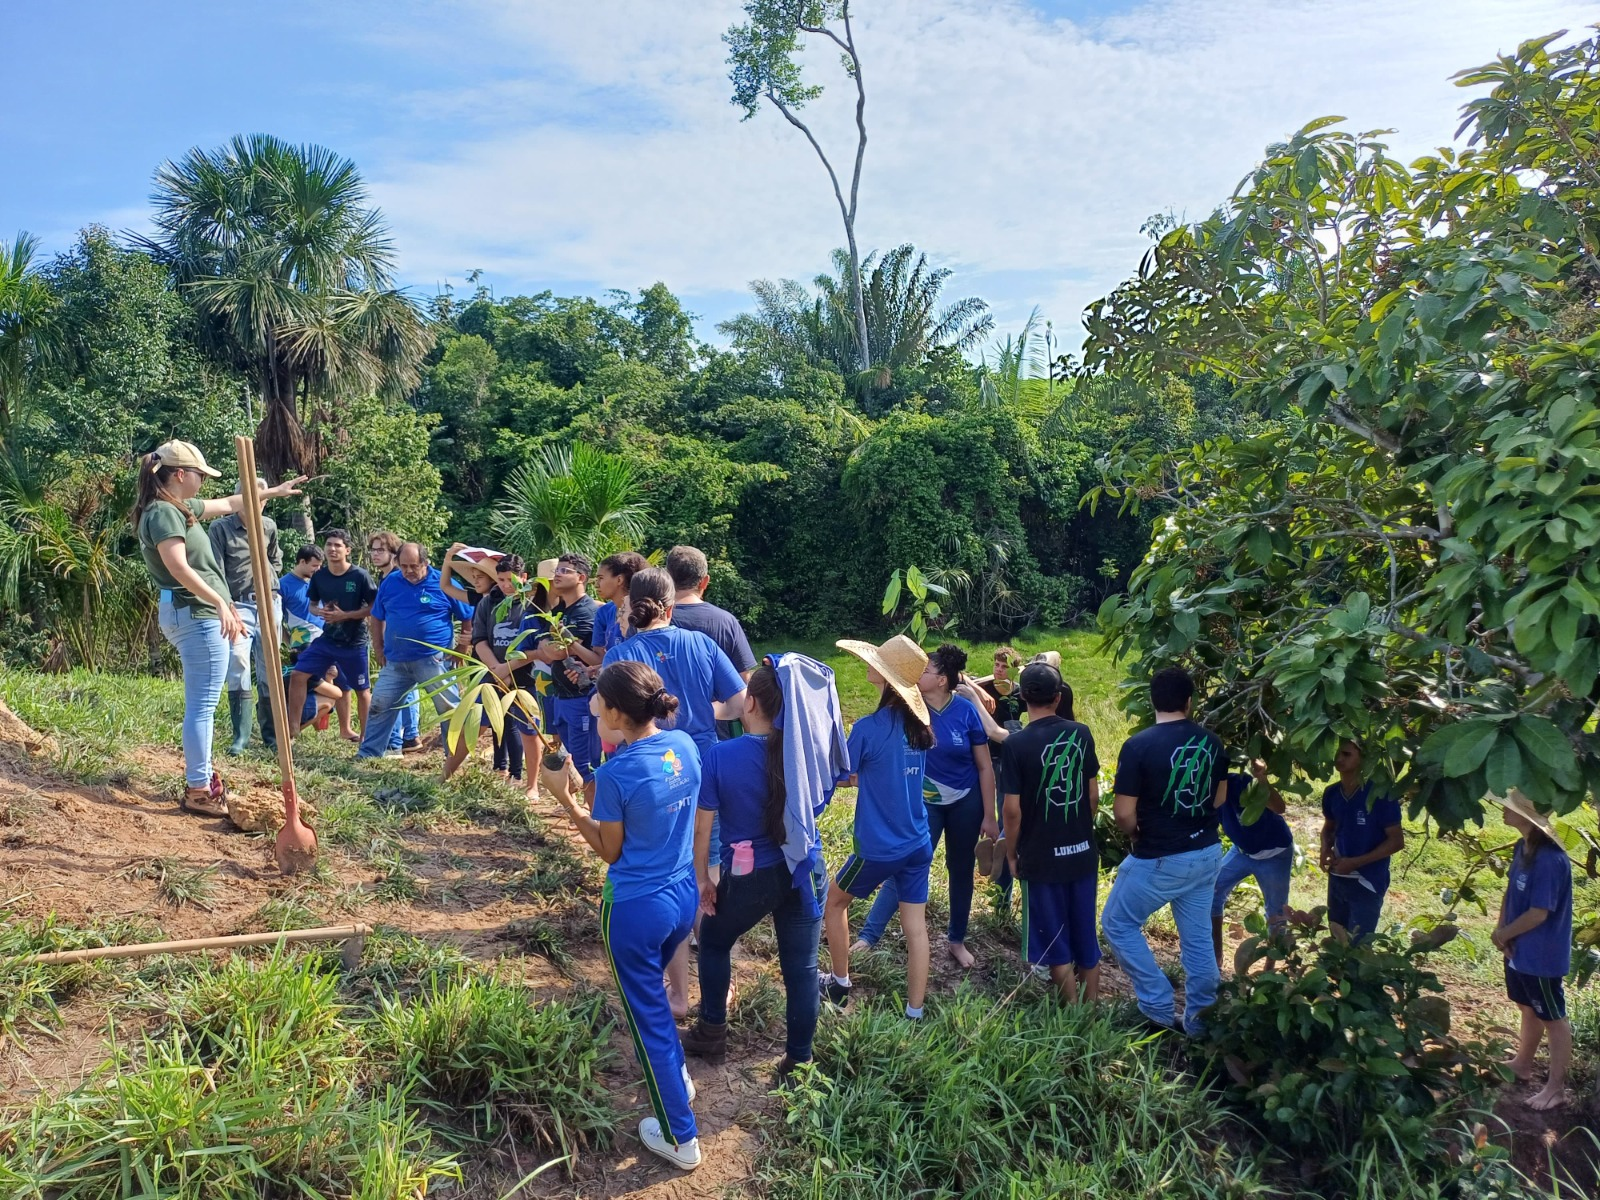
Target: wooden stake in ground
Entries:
(296, 846)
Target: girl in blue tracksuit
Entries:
(642, 824)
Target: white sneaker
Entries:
(685, 1157)
(688, 1084)
(394, 753)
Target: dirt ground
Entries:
(62, 846)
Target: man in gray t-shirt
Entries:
(690, 610)
(231, 544)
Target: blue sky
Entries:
(582, 147)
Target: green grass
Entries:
(31, 993)
(176, 881)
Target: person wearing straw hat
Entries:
(888, 759)
(197, 613)
(1361, 832)
(1535, 935)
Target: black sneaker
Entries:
(832, 990)
(411, 744)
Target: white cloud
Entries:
(1023, 151)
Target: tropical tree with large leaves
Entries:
(290, 270)
(571, 498)
(907, 320)
(1405, 553)
(28, 329)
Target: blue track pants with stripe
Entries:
(640, 936)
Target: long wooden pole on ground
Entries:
(333, 933)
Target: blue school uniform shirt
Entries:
(692, 668)
(651, 787)
(607, 630)
(1541, 880)
(891, 817)
(416, 616)
(733, 782)
(297, 599)
(1358, 830)
(1267, 837)
(951, 774)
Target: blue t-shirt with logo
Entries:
(1267, 836)
(416, 616)
(1173, 768)
(651, 786)
(1541, 879)
(891, 817)
(957, 728)
(733, 782)
(692, 668)
(607, 629)
(1358, 829)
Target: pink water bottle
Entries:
(744, 857)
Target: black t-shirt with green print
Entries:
(1049, 765)
(1174, 769)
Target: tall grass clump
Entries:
(988, 1097)
(254, 1088)
(31, 993)
(484, 1051)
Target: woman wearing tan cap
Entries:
(888, 758)
(197, 614)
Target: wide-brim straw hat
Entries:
(901, 662)
(1049, 658)
(1523, 807)
(546, 568)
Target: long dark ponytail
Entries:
(919, 734)
(151, 488)
(766, 691)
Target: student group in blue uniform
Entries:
(951, 801)
(692, 668)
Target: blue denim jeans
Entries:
(395, 682)
(959, 824)
(409, 727)
(742, 901)
(1355, 906)
(1272, 875)
(1187, 882)
(204, 653)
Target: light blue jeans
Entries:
(1272, 875)
(203, 651)
(244, 654)
(1187, 882)
(408, 727)
(395, 681)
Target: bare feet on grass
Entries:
(962, 955)
(1523, 1071)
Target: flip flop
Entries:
(985, 855)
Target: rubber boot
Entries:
(264, 720)
(239, 709)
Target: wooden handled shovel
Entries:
(296, 847)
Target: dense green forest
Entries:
(540, 421)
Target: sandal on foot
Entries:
(200, 802)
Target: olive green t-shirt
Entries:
(162, 522)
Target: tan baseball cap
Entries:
(185, 454)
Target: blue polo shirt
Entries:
(1359, 830)
(1541, 879)
(733, 782)
(651, 786)
(692, 667)
(607, 629)
(416, 616)
(957, 728)
(891, 818)
(1267, 837)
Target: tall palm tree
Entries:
(1011, 376)
(905, 320)
(573, 498)
(290, 271)
(28, 331)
